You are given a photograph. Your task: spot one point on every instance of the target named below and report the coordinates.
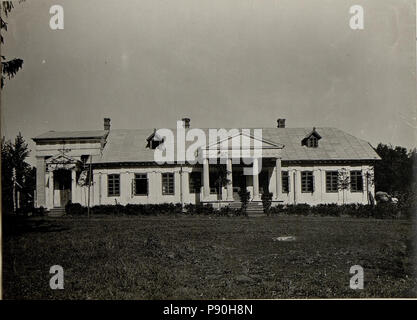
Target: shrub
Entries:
(331, 209)
(224, 211)
(380, 211)
(75, 209)
(301, 209)
(38, 212)
(113, 209)
(244, 196)
(199, 208)
(266, 201)
(386, 211)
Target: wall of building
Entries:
(320, 195)
(99, 193)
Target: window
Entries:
(312, 142)
(154, 144)
(195, 182)
(285, 183)
(140, 184)
(356, 181)
(332, 178)
(113, 185)
(154, 140)
(307, 181)
(168, 184)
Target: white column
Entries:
(230, 178)
(99, 188)
(185, 186)
(278, 170)
(256, 180)
(51, 189)
(40, 182)
(73, 185)
(206, 179)
(295, 186)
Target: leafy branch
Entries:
(9, 68)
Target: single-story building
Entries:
(296, 165)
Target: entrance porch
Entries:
(60, 181)
(260, 175)
(226, 190)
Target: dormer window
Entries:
(154, 144)
(311, 140)
(153, 141)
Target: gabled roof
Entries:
(61, 159)
(312, 133)
(264, 143)
(129, 146)
(57, 135)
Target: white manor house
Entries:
(297, 165)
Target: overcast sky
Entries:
(223, 63)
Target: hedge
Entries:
(151, 209)
(380, 211)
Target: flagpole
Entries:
(89, 185)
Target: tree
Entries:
(221, 179)
(343, 181)
(369, 182)
(396, 174)
(9, 68)
(20, 152)
(6, 176)
(18, 177)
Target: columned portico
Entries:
(62, 180)
(261, 152)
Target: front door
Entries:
(239, 183)
(65, 197)
(62, 187)
(263, 182)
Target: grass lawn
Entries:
(202, 258)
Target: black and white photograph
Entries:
(208, 150)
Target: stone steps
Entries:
(252, 208)
(235, 205)
(56, 212)
(255, 209)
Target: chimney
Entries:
(107, 124)
(186, 122)
(281, 123)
